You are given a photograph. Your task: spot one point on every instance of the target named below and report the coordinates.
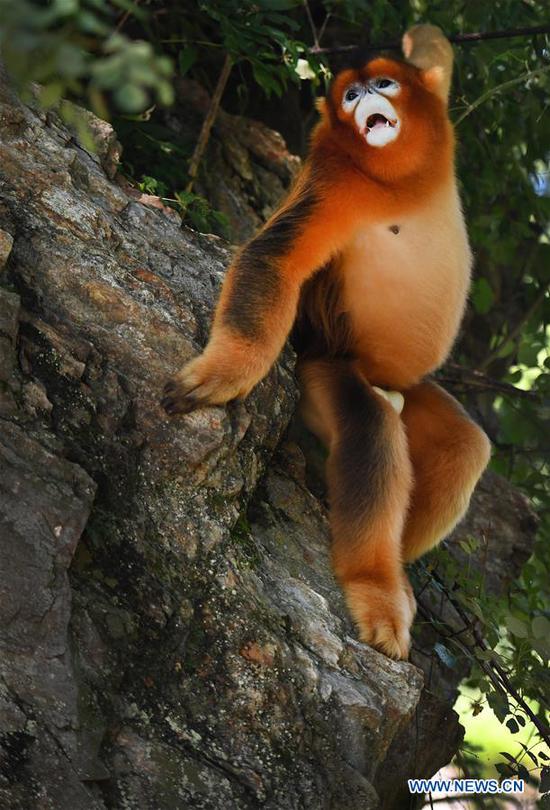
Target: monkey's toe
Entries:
(178, 399)
(170, 387)
(389, 638)
(383, 614)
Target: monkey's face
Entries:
(368, 103)
(389, 117)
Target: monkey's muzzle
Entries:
(377, 120)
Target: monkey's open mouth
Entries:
(378, 120)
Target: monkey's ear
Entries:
(427, 48)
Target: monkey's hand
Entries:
(384, 615)
(218, 375)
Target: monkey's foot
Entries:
(383, 614)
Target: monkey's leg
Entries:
(449, 453)
(369, 479)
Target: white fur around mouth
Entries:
(377, 120)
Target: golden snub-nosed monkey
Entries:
(368, 259)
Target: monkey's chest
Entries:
(404, 288)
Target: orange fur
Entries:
(378, 209)
(366, 548)
(448, 452)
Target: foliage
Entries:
(117, 57)
(73, 48)
(150, 146)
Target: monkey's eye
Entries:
(381, 84)
(351, 95)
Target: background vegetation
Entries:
(122, 59)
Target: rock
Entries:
(172, 635)
(6, 242)
(9, 316)
(247, 167)
(45, 502)
(503, 522)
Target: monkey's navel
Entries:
(394, 228)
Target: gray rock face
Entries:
(171, 633)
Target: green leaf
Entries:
(266, 79)
(482, 296)
(50, 94)
(499, 705)
(528, 353)
(165, 93)
(530, 754)
(91, 24)
(523, 773)
(131, 98)
(540, 627)
(187, 58)
(486, 655)
(504, 769)
(513, 727)
(517, 627)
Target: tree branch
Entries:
(498, 89)
(458, 39)
(208, 122)
(515, 330)
(498, 671)
(472, 379)
(312, 26)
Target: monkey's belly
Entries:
(405, 293)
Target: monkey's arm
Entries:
(260, 294)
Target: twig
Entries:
(208, 122)
(498, 89)
(515, 331)
(477, 36)
(541, 727)
(473, 379)
(120, 24)
(312, 26)
(324, 25)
